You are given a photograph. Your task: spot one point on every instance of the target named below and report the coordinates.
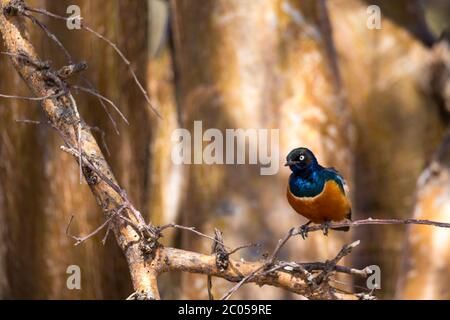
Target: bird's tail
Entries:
(345, 229)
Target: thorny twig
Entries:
(80, 240)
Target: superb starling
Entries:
(317, 193)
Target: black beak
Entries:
(290, 163)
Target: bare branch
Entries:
(240, 272)
(281, 243)
(80, 240)
(51, 35)
(98, 95)
(371, 221)
(191, 229)
(50, 96)
(103, 136)
(102, 103)
(26, 121)
(245, 246)
(269, 263)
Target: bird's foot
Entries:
(303, 230)
(325, 226)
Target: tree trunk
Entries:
(426, 261)
(397, 122)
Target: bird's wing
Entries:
(339, 179)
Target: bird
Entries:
(319, 194)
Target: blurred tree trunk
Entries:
(22, 188)
(426, 261)
(397, 121)
(425, 273)
(165, 179)
(257, 64)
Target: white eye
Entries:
(301, 158)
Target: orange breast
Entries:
(330, 204)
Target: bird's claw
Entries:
(325, 226)
(303, 231)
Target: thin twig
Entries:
(50, 96)
(111, 44)
(26, 121)
(103, 136)
(316, 266)
(280, 244)
(371, 221)
(78, 129)
(218, 236)
(330, 265)
(102, 103)
(191, 229)
(132, 224)
(27, 60)
(132, 296)
(245, 246)
(242, 282)
(107, 180)
(98, 95)
(108, 228)
(267, 264)
(80, 240)
(50, 35)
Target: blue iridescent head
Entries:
(301, 160)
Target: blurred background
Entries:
(366, 101)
